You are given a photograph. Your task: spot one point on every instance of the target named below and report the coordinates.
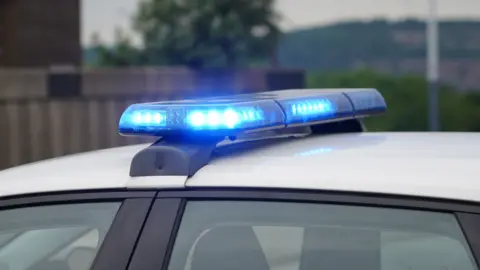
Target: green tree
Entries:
(406, 98)
(122, 54)
(202, 33)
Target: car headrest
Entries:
(51, 265)
(340, 248)
(81, 258)
(232, 248)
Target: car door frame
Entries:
(121, 238)
(156, 242)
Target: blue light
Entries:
(228, 118)
(197, 119)
(231, 118)
(320, 107)
(215, 117)
(250, 112)
(323, 106)
(148, 118)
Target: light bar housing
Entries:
(237, 114)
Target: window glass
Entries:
(57, 237)
(5, 238)
(239, 235)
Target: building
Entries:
(39, 33)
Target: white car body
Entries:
(302, 186)
(437, 165)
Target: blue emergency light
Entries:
(237, 114)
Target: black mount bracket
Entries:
(184, 156)
(174, 156)
(346, 126)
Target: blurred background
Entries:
(68, 68)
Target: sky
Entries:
(103, 16)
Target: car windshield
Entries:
(300, 236)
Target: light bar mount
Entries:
(174, 156)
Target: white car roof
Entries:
(440, 165)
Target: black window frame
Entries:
(122, 237)
(144, 230)
(161, 227)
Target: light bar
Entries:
(156, 118)
(236, 114)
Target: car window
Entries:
(56, 237)
(257, 235)
(5, 238)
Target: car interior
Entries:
(350, 249)
(79, 258)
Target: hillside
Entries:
(393, 47)
(389, 47)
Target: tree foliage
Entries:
(406, 97)
(122, 54)
(206, 33)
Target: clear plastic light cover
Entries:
(239, 113)
(223, 117)
(319, 107)
(366, 101)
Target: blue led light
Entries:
(249, 112)
(312, 107)
(148, 118)
(320, 107)
(226, 118)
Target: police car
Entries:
(283, 180)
